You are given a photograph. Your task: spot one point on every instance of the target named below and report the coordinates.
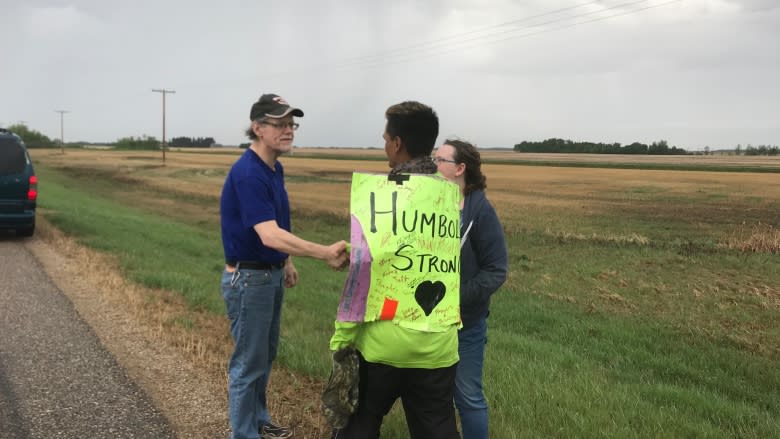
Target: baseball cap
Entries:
(272, 105)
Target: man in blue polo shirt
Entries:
(258, 245)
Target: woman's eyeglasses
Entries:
(439, 160)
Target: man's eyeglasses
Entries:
(440, 160)
(282, 125)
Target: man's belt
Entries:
(254, 265)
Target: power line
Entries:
(62, 129)
(439, 41)
(164, 92)
(481, 41)
(381, 58)
(436, 48)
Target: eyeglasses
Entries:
(282, 125)
(440, 160)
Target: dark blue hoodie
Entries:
(484, 259)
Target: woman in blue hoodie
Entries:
(483, 270)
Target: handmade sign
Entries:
(405, 252)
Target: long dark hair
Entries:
(467, 154)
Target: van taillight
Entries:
(32, 193)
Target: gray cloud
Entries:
(695, 72)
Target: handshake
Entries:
(337, 255)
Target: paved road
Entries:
(56, 379)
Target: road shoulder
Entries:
(192, 399)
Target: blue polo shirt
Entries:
(253, 193)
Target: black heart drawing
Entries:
(429, 294)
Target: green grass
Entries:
(154, 251)
(598, 375)
(594, 335)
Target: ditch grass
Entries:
(594, 334)
(153, 251)
(595, 374)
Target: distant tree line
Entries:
(143, 142)
(554, 145)
(32, 138)
(757, 150)
(36, 139)
(189, 142)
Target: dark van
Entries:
(18, 185)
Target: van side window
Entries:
(12, 157)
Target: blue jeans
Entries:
(469, 397)
(253, 300)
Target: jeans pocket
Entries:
(231, 294)
(257, 278)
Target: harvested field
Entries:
(322, 184)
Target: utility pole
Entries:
(164, 92)
(62, 129)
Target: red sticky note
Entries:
(388, 309)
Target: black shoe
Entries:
(271, 431)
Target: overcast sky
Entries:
(693, 72)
